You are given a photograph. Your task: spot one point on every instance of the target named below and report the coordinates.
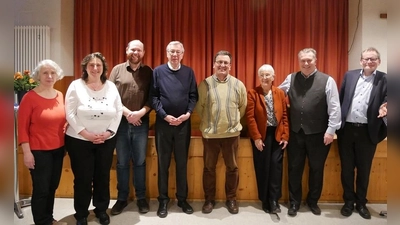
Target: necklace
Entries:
(95, 86)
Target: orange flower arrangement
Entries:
(24, 82)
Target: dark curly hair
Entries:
(85, 62)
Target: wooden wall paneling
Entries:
(62, 85)
(247, 191)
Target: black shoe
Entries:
(292, 211)
(118, 207)
(162, 211)
(266, 207)
(274, 207)
(186, 208)
(82, 221)
(142, 205)
(363, 211)
(347, 209)
(314, 209)
(104, 219)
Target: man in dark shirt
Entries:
(174, 96)
(133, 80)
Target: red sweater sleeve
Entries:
(24, 115)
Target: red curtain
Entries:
(254, 31)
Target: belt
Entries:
(357, 124)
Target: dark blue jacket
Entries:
(376, 127)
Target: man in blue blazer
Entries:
(362, 93)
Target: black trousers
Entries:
(91, 164)
(356, 152)
(174, 139)
(45, 179)
(300, 147)
(268, 168)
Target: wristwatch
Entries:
(111, 132)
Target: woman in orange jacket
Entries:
(268, 129)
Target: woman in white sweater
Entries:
(93, 110)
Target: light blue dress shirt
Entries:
(359, 105)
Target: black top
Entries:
(308, 107)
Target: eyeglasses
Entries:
(222, 62)
(174, 51)
(370, 59)
(266, 76)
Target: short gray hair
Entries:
(307, 50)
(266, 67)
(47, 62)
(371, 49)
(175, 43)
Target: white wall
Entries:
(58, 14)
(371, 31)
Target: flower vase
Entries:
(20, 95)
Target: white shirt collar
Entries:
(170, 66)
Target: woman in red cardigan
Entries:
(268, 128)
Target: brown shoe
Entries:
(232, 206)
(208, 206)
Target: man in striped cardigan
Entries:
(222, 103)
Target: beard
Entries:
(134, 59)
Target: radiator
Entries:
(31, 45)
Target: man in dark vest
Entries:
(362, 96)
(314, 117)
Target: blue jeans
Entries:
(132, 145)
